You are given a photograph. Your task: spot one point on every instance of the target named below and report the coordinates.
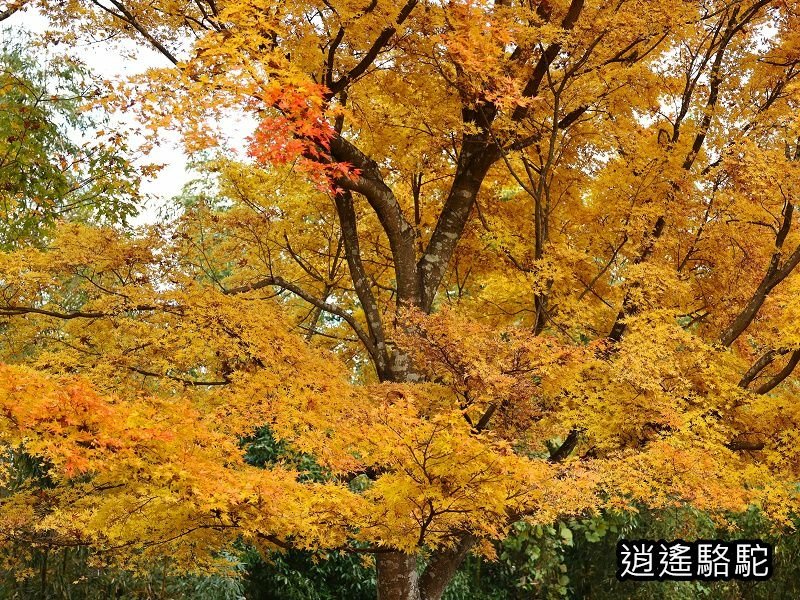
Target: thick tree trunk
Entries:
(397, 576)
(443, 567)
(399, 579)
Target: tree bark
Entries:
(443, 567)
(397, 576)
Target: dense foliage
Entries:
(493, 277)
(56, 160)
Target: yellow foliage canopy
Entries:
(486, 261)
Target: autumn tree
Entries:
(486, 262)
(57, 159)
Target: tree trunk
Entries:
(397, 576)
(442, 567)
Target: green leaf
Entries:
(566, 534)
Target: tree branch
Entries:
(125, 15)
(781, 375)
(13, 311)
(565, 449)
(531, 88)
(12, 9)
(475, 158)
(330, 308)
(732, 27)
(774, 275)
(744, 443)
(192, 382)
(347, 222)
(369, 183)
(378, 45)
(762, 363)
